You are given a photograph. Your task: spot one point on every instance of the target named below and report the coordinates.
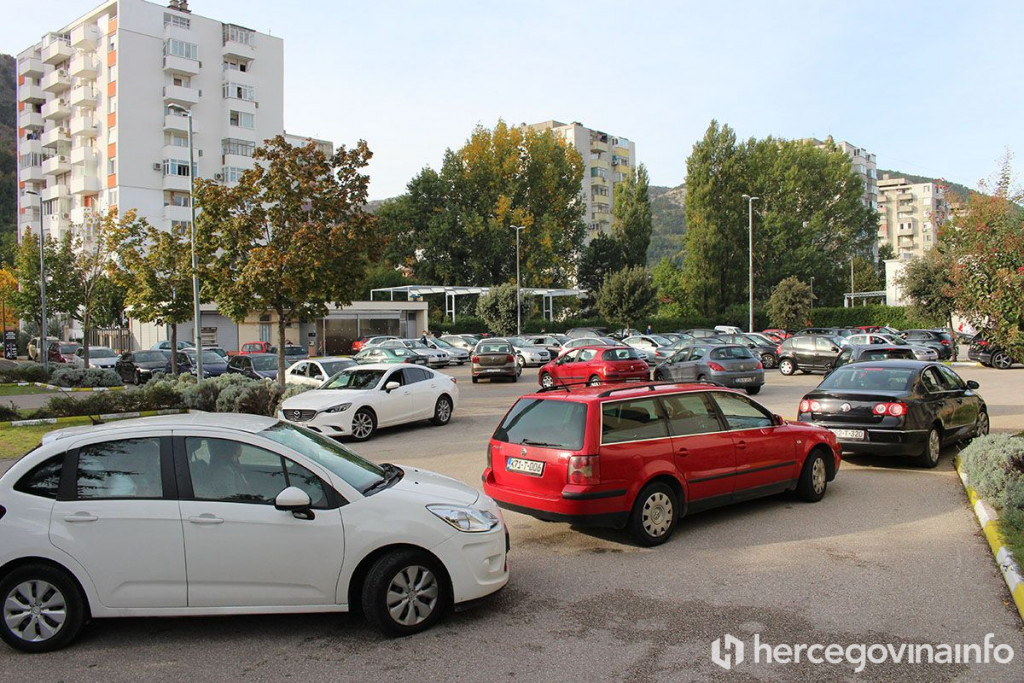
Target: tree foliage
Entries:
(453, 227)
(627, 297)
(925, 282)
(789, 306)
(600, 258)
(631, 222)
(8, 291)
(290, 237)
(498, 309)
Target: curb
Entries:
(14, 424)
(54, 387)
(964, 363)
(988, 518)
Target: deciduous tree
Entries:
(631, 223)
(789, 306)
(498, 309)
(627, 297)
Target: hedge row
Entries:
(994, 465)
(59, 375)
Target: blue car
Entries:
(255, 365)
(214, 364)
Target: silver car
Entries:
(921, 352)
(576, 342)
(99, 357)
(729, 365)
(528, 353)
(652, 344)
(435, 357)
(456, 355)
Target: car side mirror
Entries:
(391, 386)
(296, 501)
(777, 420)
(971, 384)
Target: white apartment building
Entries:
(103, 104)
(607, 161)
(863, 163)
(910, 215)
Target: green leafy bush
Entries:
(994, 465)
(899, 317)
(90, 404)
(9, 412)
(68, 376)
(24, 372)
(260, 397)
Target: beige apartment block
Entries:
(862, 162)
(607, 160)
(910, 215)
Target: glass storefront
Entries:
(341, 329)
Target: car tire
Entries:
(519, 371)
(787, 367)
(364, 424)
(768, 361)
(702, 378)
(442, 411)
(594, 381)
(137, 379)
(660, 376)
(405, 592)
(520, 361)
(981, 425)
(929, 457)
(44, 589)
(475, 379)
(753, 391)
(546, 380)
(654, 515)
(1001, 360)
(813, 478)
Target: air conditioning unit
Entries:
(218, 176)
(63, 159)
(157, 166)
(65, 216)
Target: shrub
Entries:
(994, 465)
(295, 390)
(68, 376)
(90, 404)
(24, 372)
(260, 397)
(9, 412)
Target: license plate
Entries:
(857, 434)
(525, 466)
(744, 380)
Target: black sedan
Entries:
(897, 407)
(138, 367)
(988, 354)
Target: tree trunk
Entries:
(85, 336)
(174, 349)
(280, 347)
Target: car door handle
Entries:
(682, 452)
(741, 444)
(81, 517)
(206, 519)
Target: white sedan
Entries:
(314, 371)
(358, 400)
(99, 357)
(203, 514)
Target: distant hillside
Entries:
(668, 216)
(955, 188)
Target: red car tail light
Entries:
(815, 407)
(584, 469)
(715, 367)
(510, 359)
(894, 409)
(944, 341)
(475, 359)
(760, 365)
(805, 406)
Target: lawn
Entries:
(21, 391)
(17, 441)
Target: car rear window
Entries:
(548, 422)
(620, 354)
(494, 348)
(872, 378)
(883, 354)
(730, 353)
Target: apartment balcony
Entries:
(28, 202)
(85, 37)
(31, 93)
(181, 65)
(178, 94)
(30, 119)
(57, 109)
(177, 213)
(51, 192)
(234, 48)
(85, 96)
(176, 122)
(237, 161)
(29, 147)
(56, 136)
(177, 183)
(84, 156)
(57, 164)
(84, 125)
(57, 51)
(84, 65)
(30, 67)
(905, 196)
(600, 163)
(31, 174)
(87, 183)
(621, 168)
(598, 180)
(56, 81)
(621, 151)
(598, 146)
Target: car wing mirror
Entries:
(972, 384)
(296, 501)
(391, 386)
(778, 420)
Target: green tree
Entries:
(627, 297)
(602, 256)
(26, 271)
(290, 237)
(8, 291)
(631, 222)
(498, 309)
(789, 306)
(155, 273)
(925, 282)
(668, 281)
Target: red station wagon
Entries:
(595, 365)
(640, 456)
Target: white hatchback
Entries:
(358, 400)
(204, 514)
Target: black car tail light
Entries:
(895, 409)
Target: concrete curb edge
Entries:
(988, 518)
(14, 424)
(54, 387)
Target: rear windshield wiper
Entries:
(530, 442)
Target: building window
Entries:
(232, 174)
(179, 224)
(111, 166)
(242, 119)
(237, 34)
(239, 92)
(176, 199)
(175, 20)
(175, 167)
(179, 48)
(242, 148)
(175, 139)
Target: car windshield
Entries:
(544, 422)
(210, 357)
(871, 378)
(896, 341)
(400, 351)
(101, 352)
(661, 341)
(415, 344)
(336, 366)
(219, 351)
(264, 363)
(294, 351)
(328, 453)
(441, 343)
(355, 378)
(149, 357)
(731, 353)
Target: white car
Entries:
(661, 348)
(356, 401)
(528, 353)
(203, 514)
(314, 371)
(99, 357)
(435, 357)
(456, 355)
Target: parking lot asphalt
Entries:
(891, 555)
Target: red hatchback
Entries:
(595, 365)
(642, 456)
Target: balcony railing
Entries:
(85, 36)
(84, 65)
(56, 81)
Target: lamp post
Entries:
(42, 289)
(812, 292)
(750, 247)
(519, 305)
(853, 300)
(197, 330)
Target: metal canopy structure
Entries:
(450, 294)
(850, 298)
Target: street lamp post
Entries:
(750, 248)
(812, 292)
(197, 330)
(519, 305)
(42, 290)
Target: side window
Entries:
(951, 379)
(302, 478)
(43, 479)
(395, 376)
(931, 381)
(698, 353)
(741, 413)
(803, 344)
(127, 468)
(632, 421)
(587, 354)
(690, 414)
(234, 472)
(570, 357)
(844, 358)
(681, 355)
(824, 345)
(314, 371)
(413, 375)
(299, 369)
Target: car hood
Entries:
(103, 362)
(435, 488)
(153, 364)
(320, 399)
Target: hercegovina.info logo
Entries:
(729, 652)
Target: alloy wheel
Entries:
(1002, 360)
(362, 425)
(412, 596)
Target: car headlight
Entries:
(465, 518)
(340, 408)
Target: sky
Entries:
(931, 88)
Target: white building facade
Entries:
(910, 215)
